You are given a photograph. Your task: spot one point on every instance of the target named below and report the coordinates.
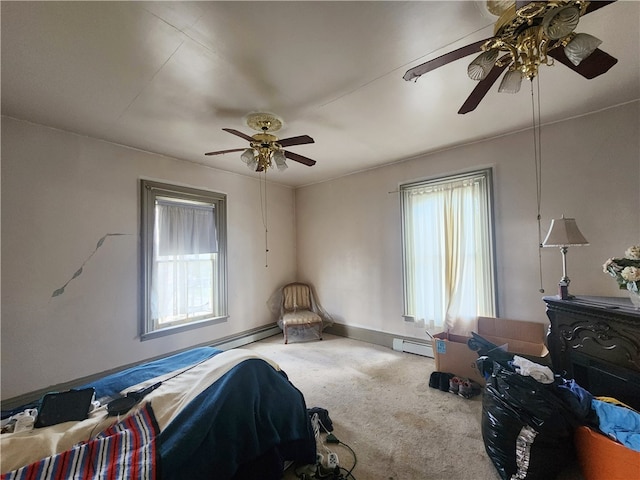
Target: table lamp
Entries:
(564, 233)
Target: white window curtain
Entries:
(448, 252)
(185, 229)
(185, 244)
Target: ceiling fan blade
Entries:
(299, 158)
(226, 151)
(597, 63)
(300, 140)
(481, 90)
(239, 134)
(415, 72)
(596, 5)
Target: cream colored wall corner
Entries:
(60, 194)
(348, 229)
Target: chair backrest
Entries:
(296, 296)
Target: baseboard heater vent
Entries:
(411, 346)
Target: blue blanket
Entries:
(623, 424)
(111, 385)
(241, 427)
(244, 426)
(252, 415)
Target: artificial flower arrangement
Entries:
(626, 270)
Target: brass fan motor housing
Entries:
(522, 34)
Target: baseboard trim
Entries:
(232, 341)
(247, 337)
(226, 343)
(370, 336)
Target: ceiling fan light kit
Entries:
(581, 47)
(265, 150)
(511, 82)
(531, 31)
(527, 34)
(482, 65)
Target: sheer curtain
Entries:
(448, 252)
(185, 243)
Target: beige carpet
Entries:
(382, 406)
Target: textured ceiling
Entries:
(166, 77)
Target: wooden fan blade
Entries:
(226, 151)
(416, 72)
(596, 5)
(300, 140)
(299, 158)
(239, 134)
(481, 90)
(597, 63)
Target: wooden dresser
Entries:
(596, 341)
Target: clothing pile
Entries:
(529, 416)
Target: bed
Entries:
(216, 414)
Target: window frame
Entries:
(149, 191)
(488, 174)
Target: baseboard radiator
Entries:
(412, 346)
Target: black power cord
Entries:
(337, 473)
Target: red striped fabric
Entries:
(126, 450)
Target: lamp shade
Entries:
(248, 157)
(564, 233)
(480, 67)
(280, 160)
(560, 22)
(511, 82)
(581, 47)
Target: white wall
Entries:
(60, 194)
(348, 229)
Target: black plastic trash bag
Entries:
(527, 429)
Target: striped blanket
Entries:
(126, 450)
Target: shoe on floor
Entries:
(465, 389)
(434, 379)
(454, 385)
(469, 388)
(444, 381)
(440, 380)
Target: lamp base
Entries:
(563, 291)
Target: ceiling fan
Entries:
(526, 34)
(265, 149)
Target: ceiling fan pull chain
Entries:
(537, 150)
(263, 210)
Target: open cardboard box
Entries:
(526, 339)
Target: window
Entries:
(448, 250)
(184, 258)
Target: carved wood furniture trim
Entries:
(596, 340)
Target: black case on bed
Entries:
(66, 406)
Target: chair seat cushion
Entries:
(300, 317)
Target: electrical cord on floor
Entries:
(331, 474)
(348, 473)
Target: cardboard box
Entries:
(526, 339)
(453, 355)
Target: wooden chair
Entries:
(297, 309)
